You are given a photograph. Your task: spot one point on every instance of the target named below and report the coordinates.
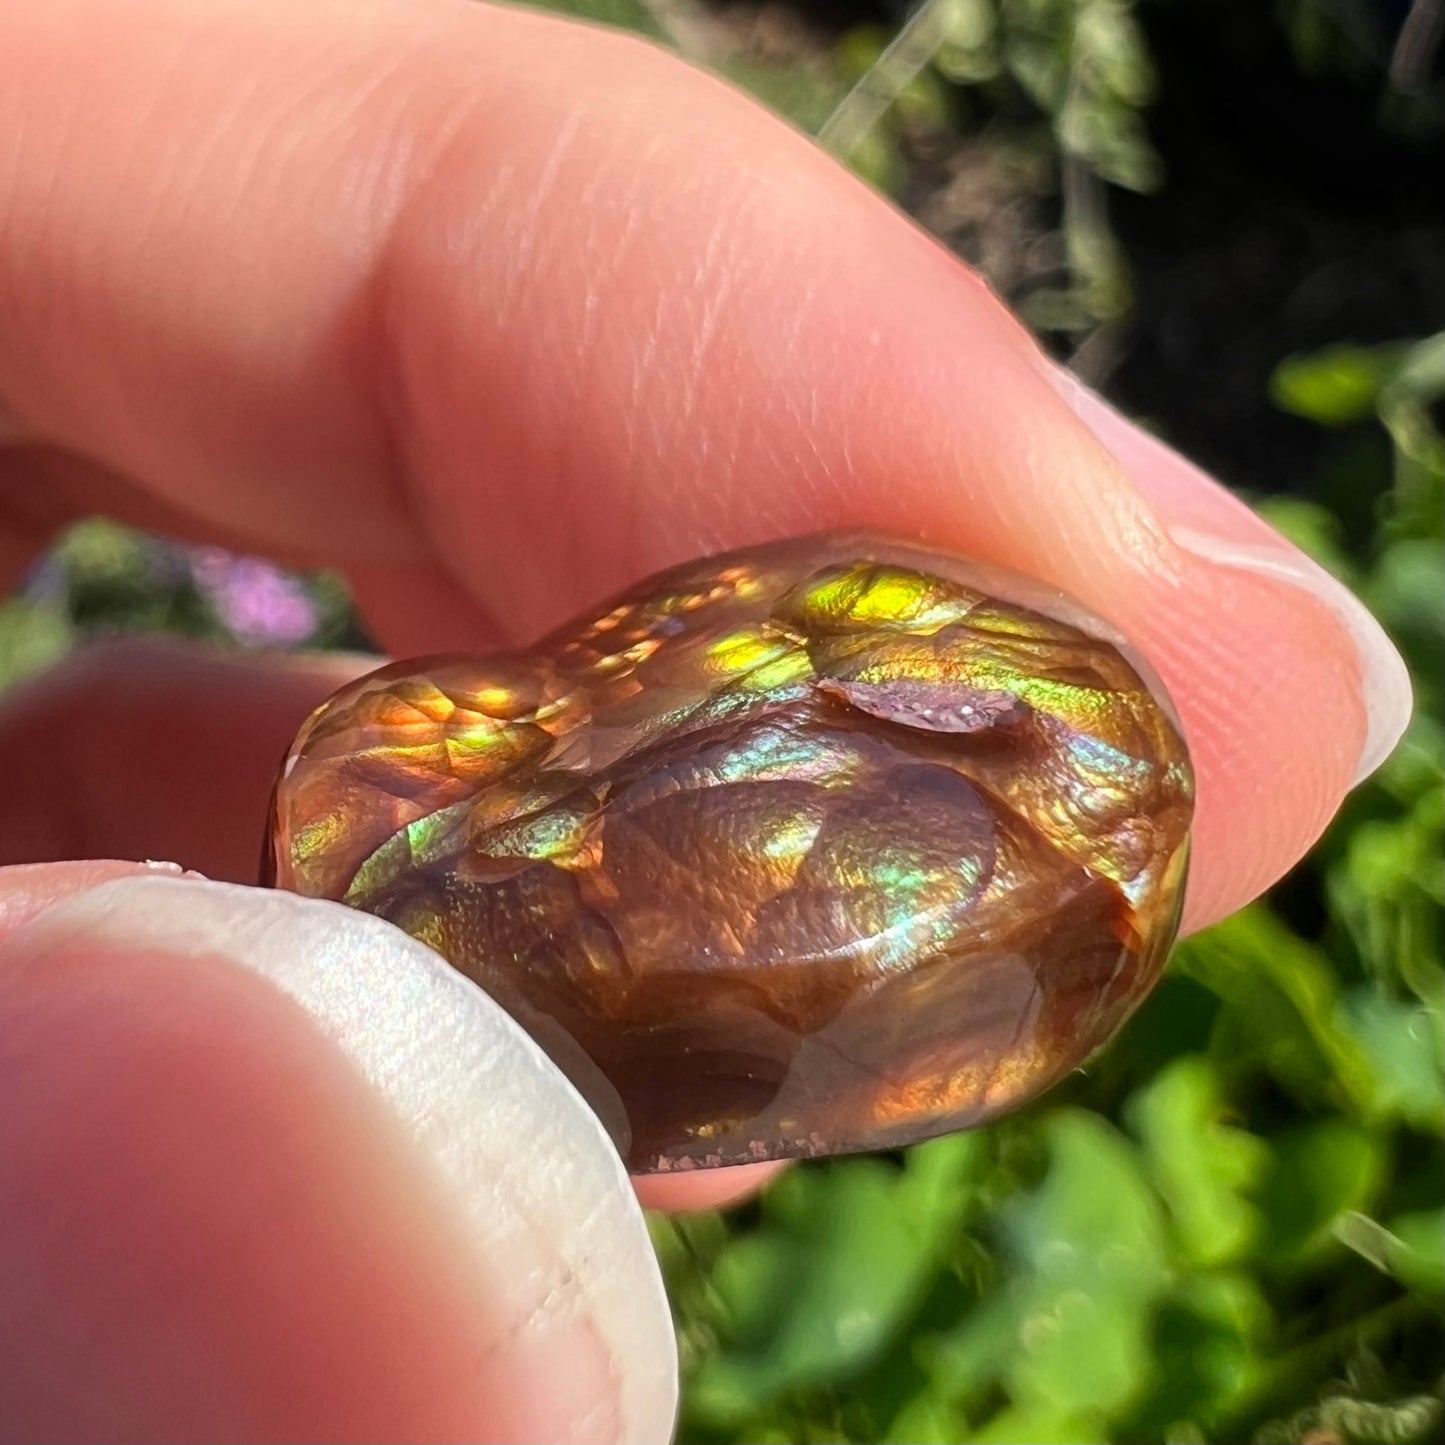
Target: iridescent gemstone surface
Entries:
(829, 845)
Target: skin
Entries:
(497, 314)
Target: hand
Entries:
(497, 314)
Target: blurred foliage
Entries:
(103, 578)
(1074, 75)
(1229, 1228)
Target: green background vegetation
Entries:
(1230, 1227)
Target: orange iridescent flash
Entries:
(818, 847)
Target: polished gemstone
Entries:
(829, 845)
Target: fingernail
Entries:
(1384, 678)
(1206, 520)
(532, 1169)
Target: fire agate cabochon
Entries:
(829, 845)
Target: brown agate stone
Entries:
(828, 845)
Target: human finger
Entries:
(269, 1172)
(537, 309)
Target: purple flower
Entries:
(257, 602)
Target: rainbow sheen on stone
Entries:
(818, 847)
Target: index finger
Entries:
(500, 312)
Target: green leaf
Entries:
(1321, 1172)
(1404, 1046)
(1282, 1013)
(1039, 1425)
(1211, 1343)
(927, 1419)
(1202, 1166)
(1091, 1251)
(826, 1283)
(1418, 373)
(1334, 387)
(1411, 1247)
(1313, 529)
(1066, 1337)
(1406, 590)
(33, 636)
(1416, 1253)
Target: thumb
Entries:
(270, 1170)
